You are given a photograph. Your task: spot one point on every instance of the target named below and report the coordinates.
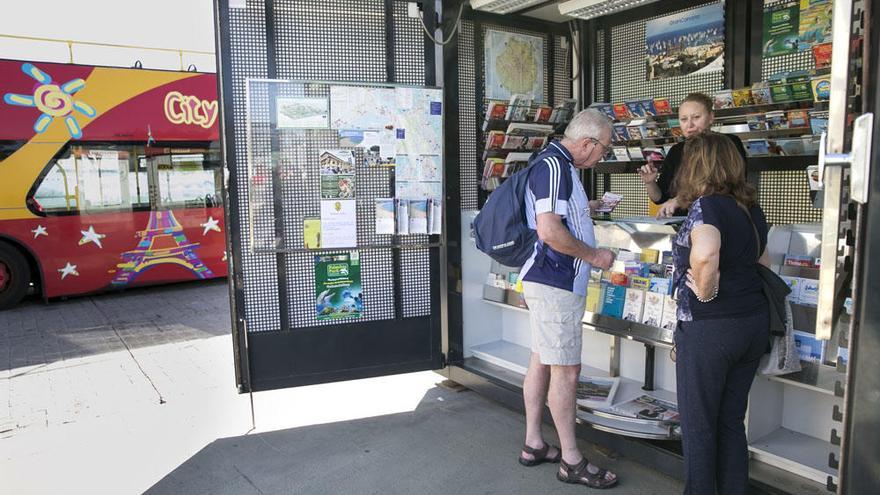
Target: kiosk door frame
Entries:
(282, 354)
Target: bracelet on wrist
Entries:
(709, 299)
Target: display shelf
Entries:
(754, 163)
(502, 124)
(726, 113)
(506, 306)
(815, 377)
(515, 359)
(628, 329)
(796, 452)
(613, 326)
(505, 354)
(629, 429)
(775, 133)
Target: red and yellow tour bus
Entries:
(109, 178)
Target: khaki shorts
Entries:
(557, 329)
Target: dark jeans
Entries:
(716, 361)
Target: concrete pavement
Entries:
(133, 392)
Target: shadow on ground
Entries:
(36, 333)
(453, 443)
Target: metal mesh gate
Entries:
(274, 185)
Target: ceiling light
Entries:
(589, 9)
(503, 6)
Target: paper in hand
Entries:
(609, 201)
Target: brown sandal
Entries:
(539, 456)
(579, 474)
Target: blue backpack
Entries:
(501, 229)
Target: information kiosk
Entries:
(361, 138)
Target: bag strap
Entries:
(754, 229)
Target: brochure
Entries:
(632, 307)
(661, 105)
(648, 407)
(609, 202)
(653, 312)
(670, 314)
(723, 99)
(597, 392)
(418, 216)
(402, 216)
(621, 112)
(385, 215)
(530, 130)
(563, 112)
(742, 97)
(518, 107)
(435, 206)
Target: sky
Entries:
(174, 24)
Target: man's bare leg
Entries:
(562, 396)
(535, 396)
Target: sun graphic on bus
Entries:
(53, 100)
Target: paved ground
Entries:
(127, 393)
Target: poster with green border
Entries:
(781, 24)
(338, 286)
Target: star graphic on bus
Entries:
(91, 236)
(210, 224)
(55, 101)
(68, 270)
(40, 230)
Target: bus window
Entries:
(189, 178)
(94, 178)
(57, 191)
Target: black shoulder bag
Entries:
(775, 289)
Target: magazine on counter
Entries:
(648, 407)
(598, 392)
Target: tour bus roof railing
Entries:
(70, 44)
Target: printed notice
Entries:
(338, 223)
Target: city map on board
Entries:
(362, 108)
(420, 117)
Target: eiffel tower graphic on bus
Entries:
(163, 242)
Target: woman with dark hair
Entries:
(723, 327)
(695, 116)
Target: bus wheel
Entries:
(15, 276)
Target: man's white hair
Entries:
(589, 123)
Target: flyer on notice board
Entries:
(338, 286)
(338, 223)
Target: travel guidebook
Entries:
(338, 286)
(595, 391)
(648, 407)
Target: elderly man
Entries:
(555, 284)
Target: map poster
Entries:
(815, 23)
(302, 113)
(514, 65)
(353, 107)
(690, 42)
(338, 286)
(338, 223)
(781, 28)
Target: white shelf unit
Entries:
(797, 452)
(788, 422)
(789, 425)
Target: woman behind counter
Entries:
(695, 116)
(723, 327)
